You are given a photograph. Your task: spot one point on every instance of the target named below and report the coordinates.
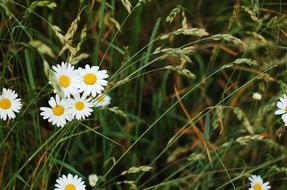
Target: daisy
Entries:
(81, 107)
(59, 112)
(92, 80)
(9, 104)
(93, 179)
(257, 183)
(282, 105)
(66, 78)
(70, 183)
(102, 100)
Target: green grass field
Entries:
(182, 78)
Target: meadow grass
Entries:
(181, 79)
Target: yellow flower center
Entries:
(70, 187)
(257, 186)
(58, 110)
(5, 103)
(101, 99)
(285, 109)
(64, 81)
(79, 105)
(90, 78)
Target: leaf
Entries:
(196, 157)
(184, 20)
(207, 126)
(58, 32)
(117, 111)
(228, 38)
(47, 70)
(181, 71)
(132, 184)
(42, 47)
(127, 5)
(51, 77)
(173, 156)
(235, 16)
(35, 4)
(251, 14)
(172, 14)
(139, 169)
(72, 30)
(78, 58)
(259, 37)
(117, 25)
(247, 61)
(182, 54)
(244, 119)
(198, 32)
(248, 139)
(84, 33)
(142, 2)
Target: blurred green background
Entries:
(194, 122)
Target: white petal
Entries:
(279, 112)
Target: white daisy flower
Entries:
(102, 100)
(67, 79)
(257, 183)
(81, 107)
(70, 182)
(92, 80)
(282, 105)
(59, 112)
(257, 96)
(93, 179)
(9, 104)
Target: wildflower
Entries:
(93, 179)
(282, 105)
(70, 183)
(81, 107)
(92, 80)
(102, 100)
(67, 79)
(9, 104)
(256, 96)
(257, 183)
(59, 112)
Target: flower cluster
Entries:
(77, 92)
(71, 182)
(282, 105)
(9, 104)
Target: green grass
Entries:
(196, 133)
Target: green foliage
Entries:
(181, 78)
